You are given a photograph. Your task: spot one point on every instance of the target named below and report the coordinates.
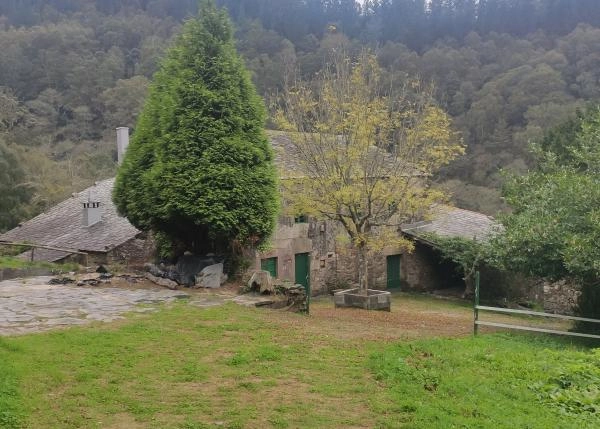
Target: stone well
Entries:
(374, 300)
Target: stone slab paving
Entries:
(32, 305)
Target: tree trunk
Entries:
(469, 287)
(363, 270)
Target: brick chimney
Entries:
(92, 213)
(122, 143)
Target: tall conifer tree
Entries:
(199, 169)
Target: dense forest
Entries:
(73, 70)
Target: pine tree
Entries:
(199, 169)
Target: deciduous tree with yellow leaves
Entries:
(367, 149)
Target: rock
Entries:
(170, 284)
(188, 266)
(264, 303)
(89, 277)
(210, 277)
(224, 278)
(164, 271)
(61, 281)
(88, 282)
(261, 281)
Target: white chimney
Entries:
(92, 214)
(122, 143)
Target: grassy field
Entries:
(16, 263)
(235, 367)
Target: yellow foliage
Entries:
(367, 150)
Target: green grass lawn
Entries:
(235, 367)
(16, 263)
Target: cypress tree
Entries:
(199, 170)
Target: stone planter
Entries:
(374, 300)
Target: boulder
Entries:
(210, 277)
(162, 281)
(188, 266)
(165, 271)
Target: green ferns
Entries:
(200, 169)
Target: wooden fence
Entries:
(477, 323)
(41, 246)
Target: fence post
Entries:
(475, 309)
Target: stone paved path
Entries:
(31, 305)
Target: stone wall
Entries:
(424, 270)
(347, 269)
(333, 263)
(133, 253)
(324, 258)
(290, 238)
(419, 270)
(560, 297)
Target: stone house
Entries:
(85, 223)
(302, 250)
(306, 250)
(310, 252)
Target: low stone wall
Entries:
(561, 297)
(374, 300)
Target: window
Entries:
(300, 219)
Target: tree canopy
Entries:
(16, 193)
(366, 149)
(199, 168)
(554, 228)
(505, 71)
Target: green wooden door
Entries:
(302, 270)
(270, 265)
(393, 272)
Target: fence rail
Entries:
(41, 246)
(477, 322)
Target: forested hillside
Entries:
(73, 70)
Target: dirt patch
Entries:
(406, 320)
(124, 420)
(411, 317)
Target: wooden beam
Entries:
(527, 328)
(42, 246)
(536, 313)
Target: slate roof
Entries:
(286, 156)
(61, 226)
(289, 164)
(452, 222)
